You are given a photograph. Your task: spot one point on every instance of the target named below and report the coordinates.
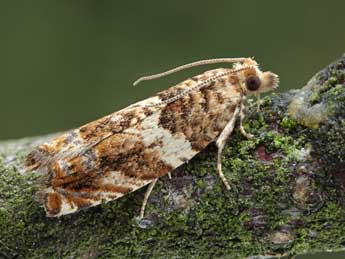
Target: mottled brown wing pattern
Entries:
(119, 153)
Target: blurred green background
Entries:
(64, 63)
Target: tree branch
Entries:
(287, 193)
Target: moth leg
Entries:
(242, 115)
(221, 143)
(169, 175)
(147, 195)
(258, 102)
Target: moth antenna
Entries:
(190, 65)
(202, 84)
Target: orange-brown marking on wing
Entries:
(74, 179)
(233, 79)
(115, 188)
(59, 142)
(53, 203)
(76, 165)
(187, 115)
(56, 169)
(95, 129)
(128, 154)
(80, 202)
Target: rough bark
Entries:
(287, 196)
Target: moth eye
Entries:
(253, 83)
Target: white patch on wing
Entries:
(115, 117)
(66, 207)
(173, 149)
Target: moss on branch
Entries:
(287, 193)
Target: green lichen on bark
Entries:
(287, 193)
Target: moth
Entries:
(131, 148)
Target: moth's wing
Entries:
(76, 142)
(149, 143)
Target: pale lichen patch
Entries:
(307, 114)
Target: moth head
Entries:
(262, 82)
(253, 80)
